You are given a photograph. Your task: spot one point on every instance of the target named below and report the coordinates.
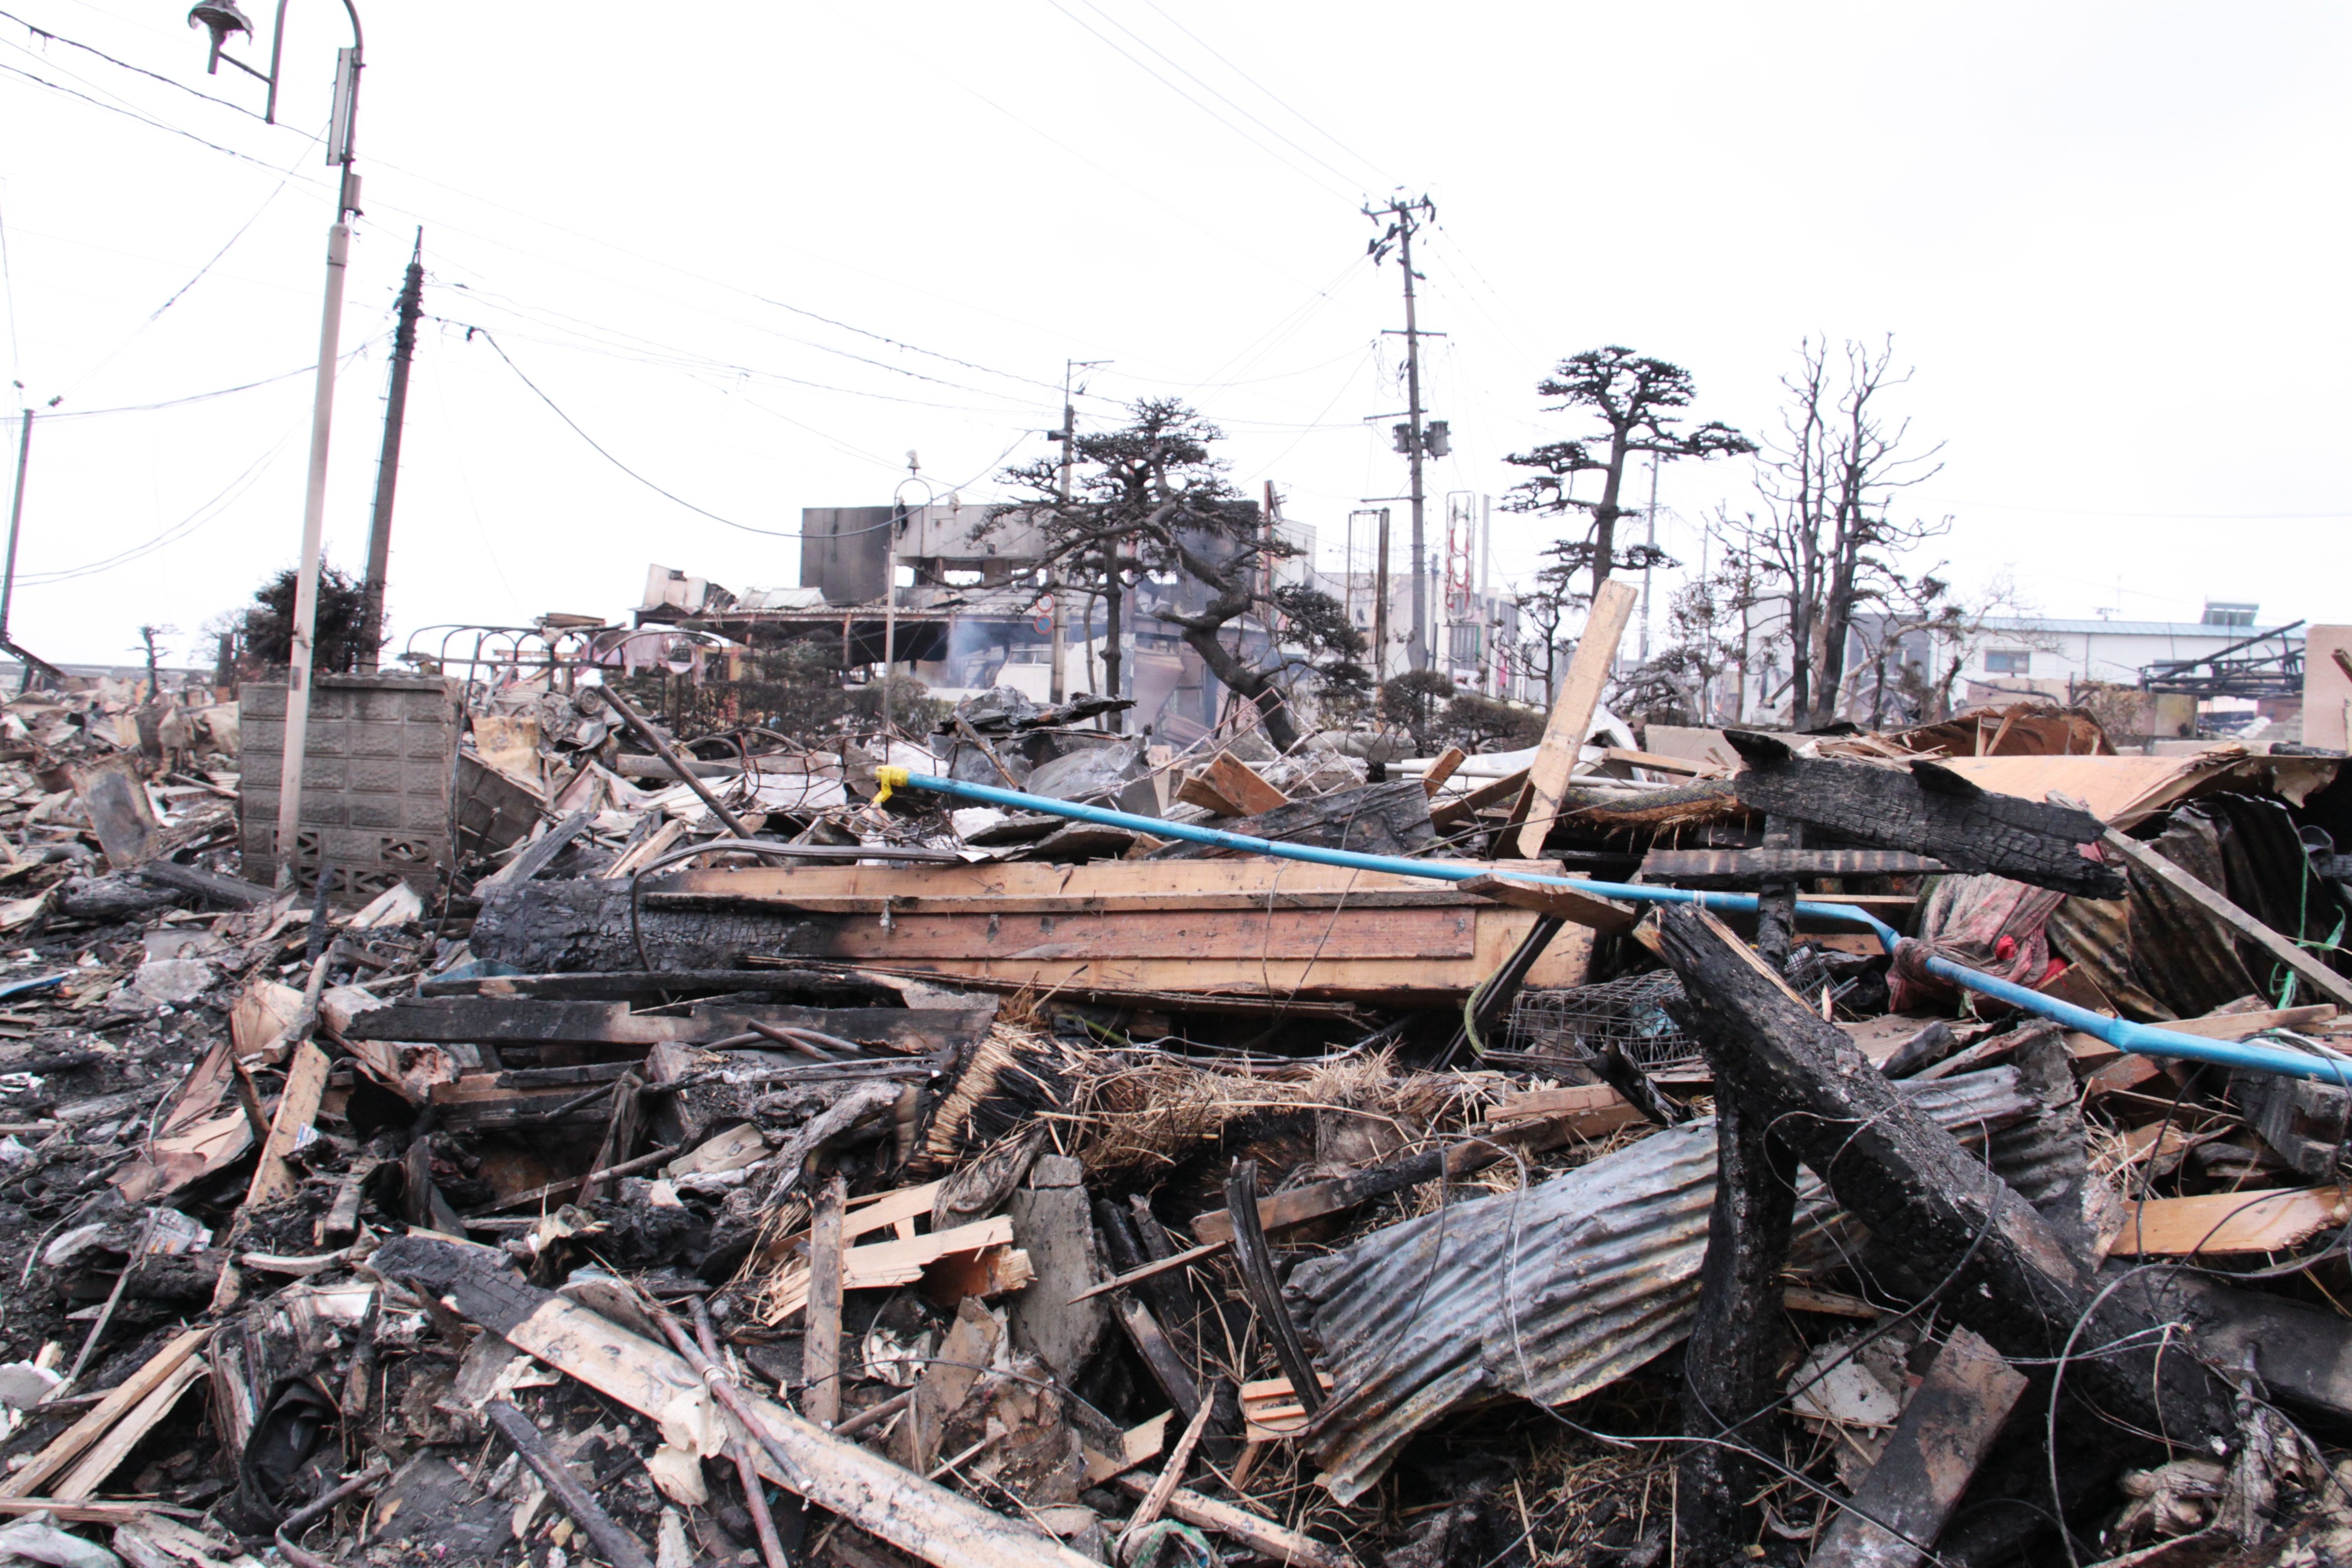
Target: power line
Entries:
(209, 512)
(1205, 87)
(602, 451)
(1277, 98)
(1189, 221)
(9, 285)
(227, 246)
(142, 119)
(671, 357)
(41, 32)
(507, 300)
(863, 332)
(199, 396)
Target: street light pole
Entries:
(300, 655)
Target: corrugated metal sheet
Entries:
(1550, 1293)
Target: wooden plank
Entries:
(1571, 716)
(2218, 1224)
(1575, 1102)
(1242, 785)
(1434, 779)
(297, 1108)
(1231, 882)
(2225, 913)
(1152, 1270)
(1936, 1445)
(1199, 790)
(1441, 932)
(1577, 908)
(111, 1450)
(909, 1512)
(1658, 763)
(69, 1445)
(1138, 1445)
(821, 1342)
(1661, 864)
(1272, 1409)
(899, 1261)
(520, 1021)
(1274, 892)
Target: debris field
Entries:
(968, 1148)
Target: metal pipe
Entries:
(2138, 1039)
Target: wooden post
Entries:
(1776, 897)
(1732, 1363)
(1572, 716)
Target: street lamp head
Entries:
(221, 17)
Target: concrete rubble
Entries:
(716, 1144)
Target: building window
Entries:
(2008, 661)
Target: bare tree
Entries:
(147, 638)
(1925, 616)
(1544, 606)
(1827, 539)
(1637, 401)
(1703, 629)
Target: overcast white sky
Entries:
(2109, 236)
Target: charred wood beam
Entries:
(229, 890)
(1776, 896)
(1929, 810)
(1732, 1362)
(2000, 1267)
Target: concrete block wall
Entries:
(376, 782)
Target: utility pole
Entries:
(1654, 550)
(298, 668)
(8, 579)
(387, 466)
(1405, 217)
(1067, 435)
(16, 521)
(1381, 604)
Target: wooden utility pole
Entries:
(1054, 688)
(387, 466)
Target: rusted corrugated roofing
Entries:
(1550, 1293)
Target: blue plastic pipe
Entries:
(2142, 1039)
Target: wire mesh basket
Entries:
(1580, 1023)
